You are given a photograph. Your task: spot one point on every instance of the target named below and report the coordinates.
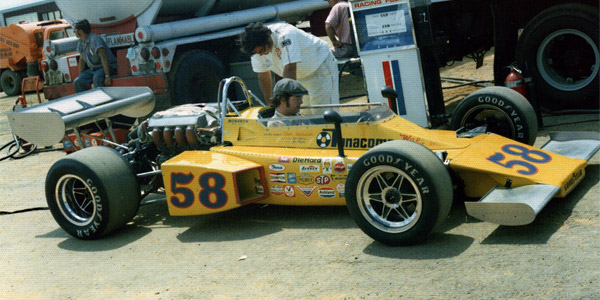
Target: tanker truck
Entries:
(180, 49)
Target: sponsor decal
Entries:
(259, 189)
(322, 180)
(339, 166)
(284, 159)
(276, 190)
(341, 188)
(306, 190)
(326, 192)
(289, 191)
(327, 166)
(305, 179)
(306, 160)
(237, 121)
(575, 177)
(324, 141)
(277, 177)
(277, 167)
(339, 177)
(291, 177)
(310, 168)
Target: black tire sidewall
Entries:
(15, 78)
(98, 227)
(510, 102)
(196, 64)
(433, 211)
(566, 16)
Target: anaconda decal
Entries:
(324, 140)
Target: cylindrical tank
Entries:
(102, 12)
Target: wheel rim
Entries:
(389, 199)
(75, 199)
(568, 60)
(497, 120)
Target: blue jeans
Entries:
(82, 82)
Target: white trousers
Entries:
(322, 85)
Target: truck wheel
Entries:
(11, 82)
(195, 77)
(92, 192)
(504, 111)
(560, 49)
(398, 193)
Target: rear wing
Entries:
(45, 124)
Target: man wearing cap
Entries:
(96, 56)
(287, 98)
(292, 53)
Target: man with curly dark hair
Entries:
(292, 53)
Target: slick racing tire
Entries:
(195, 77)
(398, 193)
(560, 50)
(502, 110)
(11, 82)
(92, 192)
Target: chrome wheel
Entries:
(389, 199)
(75, 199)
(496, 119)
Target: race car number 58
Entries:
(211, 193)
(530, 157)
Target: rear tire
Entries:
(11, 82)
(560, 48)
(398, 193)
(92, 192)
(195, 77)
(504, 111)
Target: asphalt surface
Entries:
(273, 252)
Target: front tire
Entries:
(92, 192)
(398, 193)
(502, 110)
(560, 49)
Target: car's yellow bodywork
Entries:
(299, 165)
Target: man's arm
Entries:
(331, 34)
(104, 60)
(289, 71)
(265, 82)
(82, 64)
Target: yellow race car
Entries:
(396, 178)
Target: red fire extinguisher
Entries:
(516, 81)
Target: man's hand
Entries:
(107, 81)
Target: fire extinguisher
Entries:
(516, 81)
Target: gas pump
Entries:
(386, 44)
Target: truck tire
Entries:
(92, 192)
(559, 49)
(502, 110)
(11, 82)
(195, 77)
(398, 193)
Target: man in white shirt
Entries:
(292, 53)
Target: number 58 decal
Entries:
(211, 193)
(531, 157)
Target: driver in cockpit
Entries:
(287, 98)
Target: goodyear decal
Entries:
(391, 74)
(575, 177)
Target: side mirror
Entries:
(388, 92)
(331, 116)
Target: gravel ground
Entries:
(271, 252)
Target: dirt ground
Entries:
(272, 252)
